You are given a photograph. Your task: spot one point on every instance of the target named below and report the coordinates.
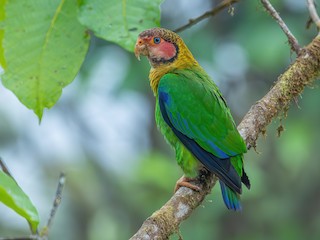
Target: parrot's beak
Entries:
(140, 48)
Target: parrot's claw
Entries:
(185, 182)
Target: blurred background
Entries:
(119, 169)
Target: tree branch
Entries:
(313, 13)
(290, 84)
(292, 40)
(56, 203)
(21, 238)
(222, 5)
(302, 72)
(166, 221)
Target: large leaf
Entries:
(44, 47)
(2, 3)
(13, 196)
(120, 21)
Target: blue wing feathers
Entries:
(220, 153)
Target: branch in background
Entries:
(224, 4)
(289, 86)
(313, 13)
(56, 203)
(292, 40)
(21, 238)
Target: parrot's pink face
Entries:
(156, 48)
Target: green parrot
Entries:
(192, 115)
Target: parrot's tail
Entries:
(230, 197)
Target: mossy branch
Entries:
(301, 73)
(290, 84)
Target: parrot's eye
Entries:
(156, 40)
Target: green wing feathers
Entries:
(201, 112)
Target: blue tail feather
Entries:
(230, 198)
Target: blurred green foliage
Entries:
(108, 196)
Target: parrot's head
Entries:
(161, 47)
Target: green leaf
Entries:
(2, 16)
(44, 47)
(13, 196)
(120, 21)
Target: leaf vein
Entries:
(39, 98)
(124, 16)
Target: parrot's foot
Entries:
(185, 182)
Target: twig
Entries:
(21, 238)
(303, 71)
(222, 5)
(57, 200)
(5, 169)
(292, 40)
(313, 13)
